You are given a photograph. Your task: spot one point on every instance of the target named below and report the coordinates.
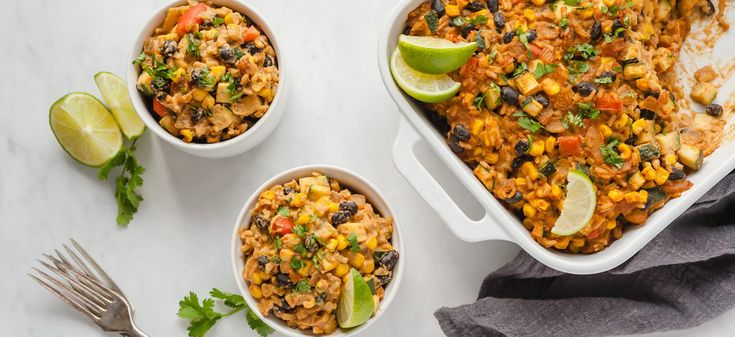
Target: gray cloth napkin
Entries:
(682, 278)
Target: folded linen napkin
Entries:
(682, 278)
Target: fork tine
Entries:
(83, 300)
(102, 274)
(78, 261)
(94, 285)
(64, 298)
(96, 298)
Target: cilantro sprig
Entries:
(610, 155)
(127, 183)
(203, 316)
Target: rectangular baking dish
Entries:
(498, 223)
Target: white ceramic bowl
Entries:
(356, 184)
(253, 136)
(498, 223)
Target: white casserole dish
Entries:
(244, 142)
(498, 223)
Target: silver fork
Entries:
(76, 285)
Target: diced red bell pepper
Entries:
(570, 145)
(251, 34)
(536, 50)
(282, 226)
(189, 18)
(159, 109)
(609, 102)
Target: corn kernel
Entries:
(661, 176)
(208, 102)
(520, 181)
(615, 195)
(178, 75)
(537, 148)
(578, 242)
(648, 173)
(529, 211)
(609, 3)
(368, 266)
(309, 302)
(306, 269)
(639, 126)
(540, 204)
(333, 206)
(637, 180)
(587, 13)
(217, 71)
(491, 158)
(256, 279)
(642, 196)
(631, 197)
(563, 243)
(298, 200)
(625, 151)
(285, 254)
(255, 291)
(341, 242)
(556, 191)
(538, 3)
(611, 224)
(303, 219)
(530, 170)
(332, 244)
(530, 14)
(605, 130)
(372, 243)
(452, 10)
(357, 260)
(268, 195)
(550, 87)
(229, 19)
(322, 285)
(622, 122)
(550, 144)
(341, 270)
(646, 32)
(266, 93)
(188, 135)
(477, 126)
(671, 158)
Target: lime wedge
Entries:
(356, 301)
(85, 129)
(579, 205)
(423, 87)
(433, 55)
(115, 93)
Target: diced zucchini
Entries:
(492, 97)
(670, 104)
(648, 134)
(532, 107)
(655, 196)
(703, 121)
(634, 71)
(668, 142)
(690, 156)
(144, 83)
(167, 122)
(648, 151)
(305, 183)
(664, 8)
(317, 191)
(527, 84)
(704, 93)
(547, 169)
(223, 93)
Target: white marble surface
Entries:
(338, 114)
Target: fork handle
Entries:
(135, 332)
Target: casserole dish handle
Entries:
(434, 194)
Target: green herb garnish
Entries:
(543, 69)
(296, 263)
(300, 230)
(277, 243)
(354, 246)
(572, 120)
(203, 317)
(586, 110)
(611, 156)
(530, 124)
(218, 21)
(140, 58)
(130, 178)
(302, 287)
(284, 211)
(192, 46)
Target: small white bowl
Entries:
(356, 184)
(253, 136)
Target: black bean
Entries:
(531, 35)
(462, 133)
(474, 6)
(407, 31)
(628, 61)
(630, 141)
(499, 20)
(197, 75)
(261, 222)
(284, 307)
(198, 113)
(252, 49)
(585, 88)
(616, 26)
(508, 37)
(467, 29)
(708, 8)
(518, 196)
(287, 191)
(321, 298)
(262, 261)
(348, 206)
(542, 99)
(651, 93)
(521, 147)
(168, 49)
(438, 6)
(311, 244)
(714, 110)
(648, 114)
(227, 55)
(389, 259)
(518, 161)
(454, 144)
(267, 61)
(676, 174)
(509, 95)
(596, 31)
(611, 74)
(385, 279)
(283, 281)
(492, 5)
(340, 217)
(161, 84)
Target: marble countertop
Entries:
(339, 113)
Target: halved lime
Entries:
(433, 55)
(579, 205)
(85, 129)
(115, 93)
(355, 302)
(423, 87)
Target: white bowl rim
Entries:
(295, 173)
(141, 108)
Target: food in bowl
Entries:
(572, 86)
(305, 243)
(208, 73)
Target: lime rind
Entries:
(426, 88)
(355, 305)
(579, 205)
(115, 94)
(433, 55)
(85, 129)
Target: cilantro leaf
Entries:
(519, 69)
(126, 184)
(300, 230)
(302, 286)
(543, 69)
(257, 324)
(354, 246)
(530, 124)
(231, 300)
(202, 316)
(284, 211)
(479, 20)
(277, 243)
(572, 120)
(571, 2)
(610, 155)
(432, 20)
(140, 58)
(218, 21)
(586, 110)
(192, 46)
(105, 169)
(564, 22)
(296, 263)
